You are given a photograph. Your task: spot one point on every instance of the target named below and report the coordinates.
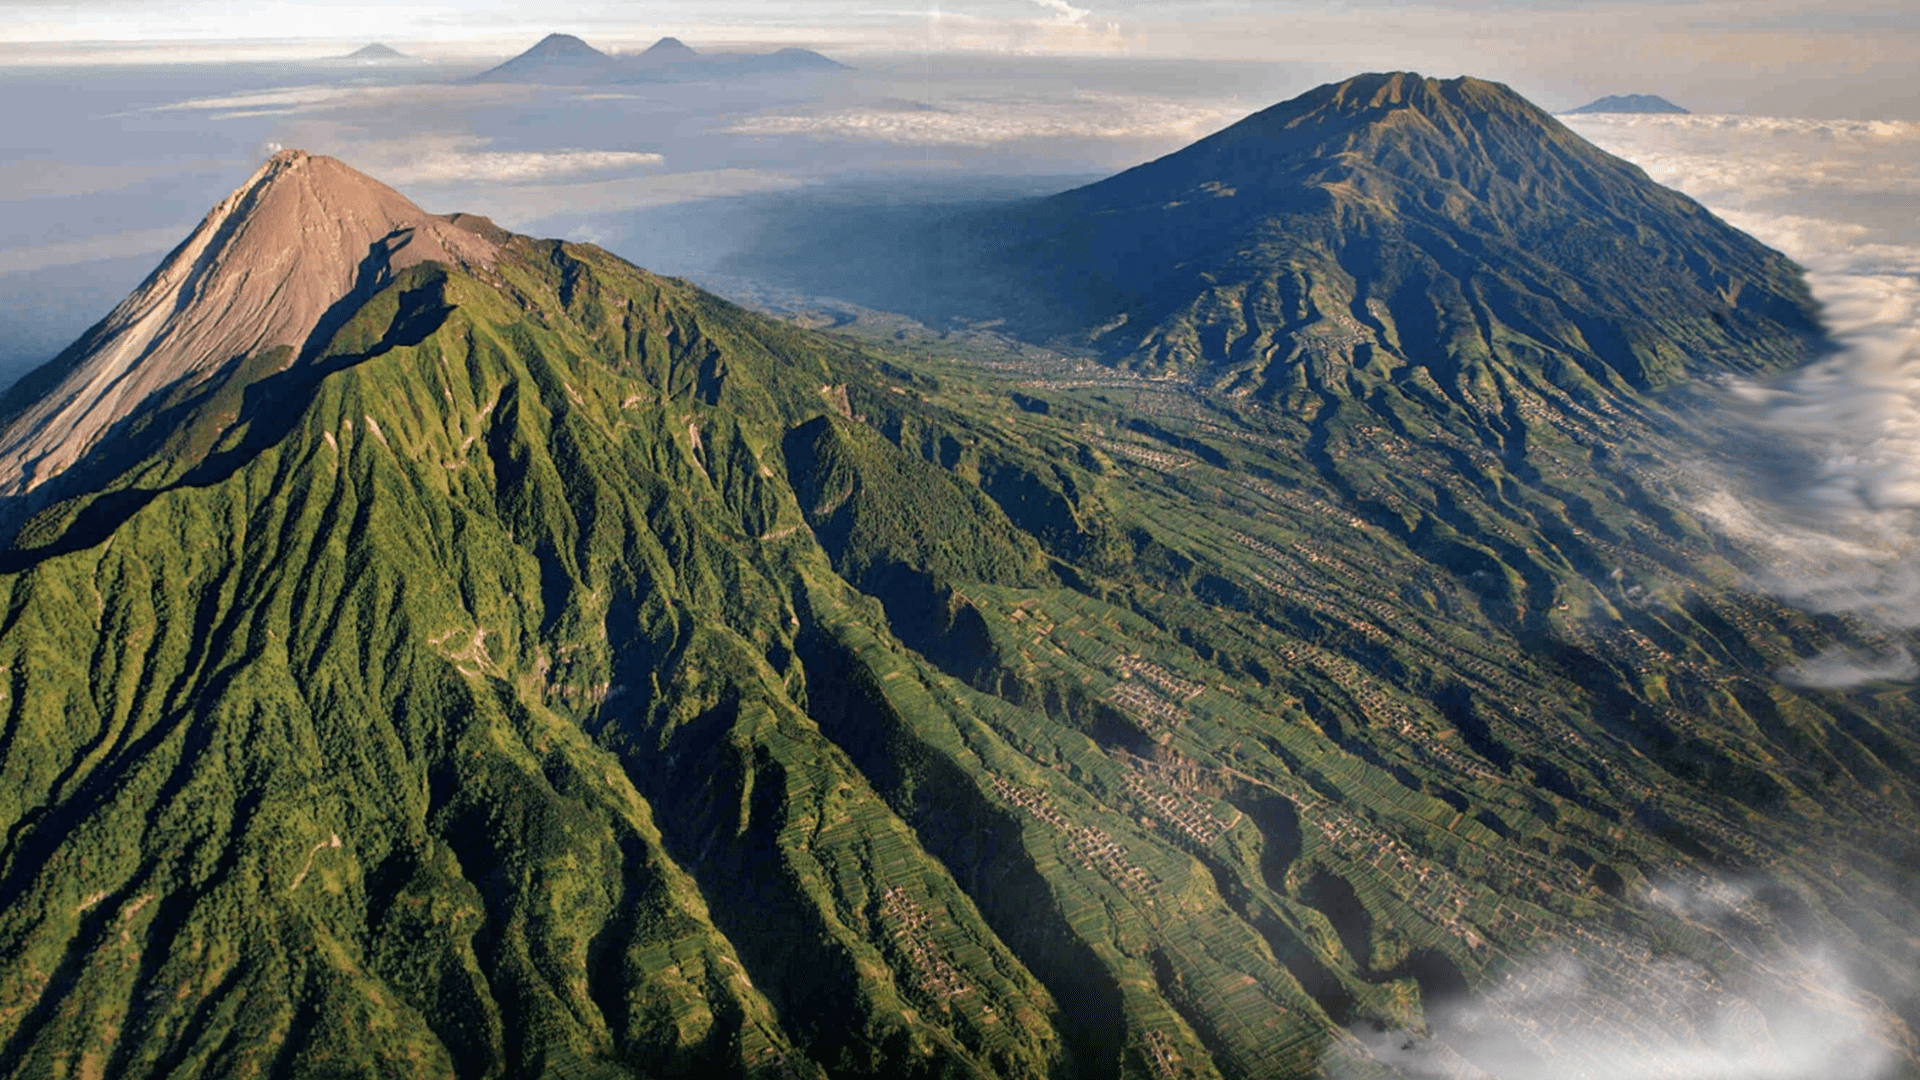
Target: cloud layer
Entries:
(986, 121)
(444, 167)
(1834, 525)
(1604, 1004)
(1555, 1020)
(109, 246)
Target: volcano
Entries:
(435, 651)
(565, 60)
(1438, 223)
(262, 272)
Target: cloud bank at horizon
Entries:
(1843, 534)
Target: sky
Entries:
(1794, 56)
(123, 121)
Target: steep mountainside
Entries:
(1450, 226)
(292, 252)
(544, 668)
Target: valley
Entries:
(538, 666)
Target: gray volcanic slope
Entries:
(261, 271)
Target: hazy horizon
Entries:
(127, 120)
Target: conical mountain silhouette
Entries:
(561, 59)
(562, 47)
(472, 655)
(262, 272)
(376, 52)
(1628, 103)
(669, 49)
(1388, 211)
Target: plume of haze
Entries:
(108, 166)
(1822, 484)
(1605, 1005)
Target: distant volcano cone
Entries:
(261, 271)
(377, 52)
(562, 46)
(557, 58)
(669, 50)
(564, 60)
(1628, 103)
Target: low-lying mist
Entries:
(1611, 1005)
(1818, 473)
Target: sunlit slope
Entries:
(568, 673)
(301, 767)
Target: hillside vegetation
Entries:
(571, 674)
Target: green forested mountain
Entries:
(548, 669)
(1440, 223)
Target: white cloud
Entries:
(466, 161)
(110, 246)
(1837, 668)
(36, 178)
(1064, 12)
(323, 98)
(1595, 126)
(983, 122)
(515, 206)
(267, 102)
(1602, 1006)
(450, 167)
(1839, 533)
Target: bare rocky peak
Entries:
(262, 271)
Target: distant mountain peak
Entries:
(669, 48)
(261, 271)
(1391, 89)
(558, 46)
(377, 51)
(1403, 175)
(1357, 131)
(562, 59)
(1373, 96)
(1628, 103)
(1330, 224)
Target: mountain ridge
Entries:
(567, 60)
(562, 671)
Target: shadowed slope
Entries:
(1423, 223)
